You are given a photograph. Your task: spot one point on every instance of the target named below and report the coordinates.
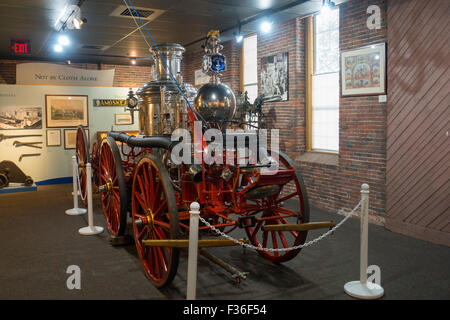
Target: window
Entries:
(250, 67)
(324, 82)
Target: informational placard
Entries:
(110, 102)
(201, 78)
(37, 73)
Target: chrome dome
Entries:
(215, 102)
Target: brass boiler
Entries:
(162, 107)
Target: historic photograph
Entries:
(66, 111)
(274, 77)
(20, 118)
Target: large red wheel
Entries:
(82, 154)
(155, 216)
(95, 161)
(114, 193)
(287, 206)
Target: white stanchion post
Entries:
(91, 229)
(362, 289)
(193, 251)
(75, 211)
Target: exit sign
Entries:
(20, 47)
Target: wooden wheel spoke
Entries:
(162, 224)
(294, 233)
(141, 233)
(162, 258)
(257, 227)
(156, 195)
(156, 262)
(141, 201)
(283, 239)
(286, 211)
(274, 242)
(293, 194)
(142, 191)
(265, 234)
(148, 186)
(161, 208)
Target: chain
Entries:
(79, 185)
(282, 249)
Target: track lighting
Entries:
(63, 40)
(58, 48)
(327, 6)
(266, 26)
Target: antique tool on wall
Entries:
(28, 155)
(27, 144)
(10, 172)
(3, 137)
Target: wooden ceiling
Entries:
(183, 21)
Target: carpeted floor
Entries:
(38, 242)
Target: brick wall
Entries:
(287, 116)
(124, 76)
(362, 131)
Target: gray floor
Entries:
(38, 242)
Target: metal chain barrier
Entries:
(351, 213)
(79, 185)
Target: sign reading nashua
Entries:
(110, 103)
(37, 73)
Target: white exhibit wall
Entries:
(55, 162)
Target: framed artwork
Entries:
(66, 111)
(363, 71)
(18, 117)
(70, 138)
(275, 77)
(53, 137)
(122, 119)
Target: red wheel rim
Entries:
(95, 162)
(274, 209)
(82, 158)
(151, 221)
(111, 197)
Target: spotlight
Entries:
(78, 22)
(63, 40)
(66, 19)
(238, 37)
(58, 48)
(264, 4)
(133, 61)
(266, 26)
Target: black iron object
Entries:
(10, 172)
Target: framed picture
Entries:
(363, 71)
(53, 138)
(70, 138)
(122, 119)
(19, 117)
(275, 77)
(66, 110)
